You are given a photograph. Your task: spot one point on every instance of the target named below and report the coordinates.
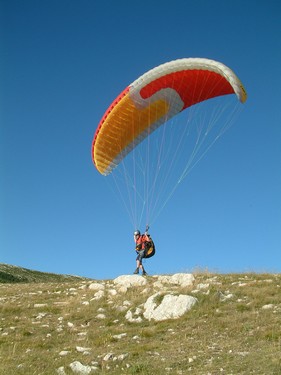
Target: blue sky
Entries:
(62, 64)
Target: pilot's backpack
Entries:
(149, 250)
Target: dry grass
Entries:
(222, 334)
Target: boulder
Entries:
(129, 281)
(170, 307)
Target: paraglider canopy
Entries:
(153, 99)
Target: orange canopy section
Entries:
(153, 99)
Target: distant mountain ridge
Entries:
(16, 274)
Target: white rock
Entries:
(60, 371)
(120, 336)
(268, 307)
(133, 318)
(41, 315)
(121, 357)
(171, 307)
(158, 284)
(81, 349)
(108, 357)
(228, 296)
(78, 368)
(96, 286)
(138, 311)
(98, 295)
(63, 353)
(100, 316)
(128, 281)
(183, 279)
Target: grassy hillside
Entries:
(57, 328)
(14, 274)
